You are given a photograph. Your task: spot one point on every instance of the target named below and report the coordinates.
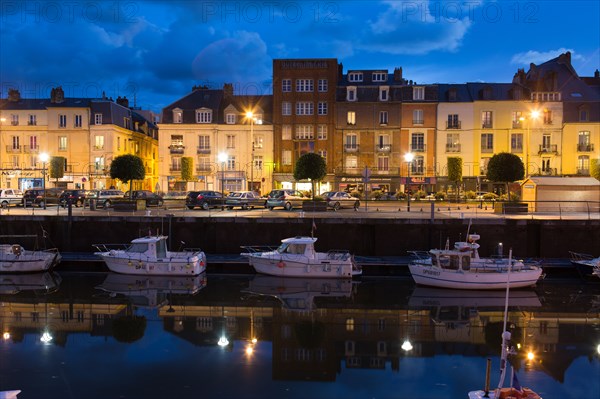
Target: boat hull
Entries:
(172, 266)
(303, 268)
(28, 262)
(472, 279)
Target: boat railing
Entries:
(338, 254)
(254, 249)
(578, 256)
(111, 247)
(420, 254)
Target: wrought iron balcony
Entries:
(517, 148)
(452, 147)
(13, 149)
(487, 150)
(31, 149)
(175, 168)
(581, 171)
(453, 124)
(548, 148)
(202, 150)
(549, 172)
(386, 148)
(418, 147)
(203, 168)
(176, 149)
(517, 125)
(585, 147)
(487, 125)
(350, 147)
(418, 121)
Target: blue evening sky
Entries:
(157, 50)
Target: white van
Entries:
(10, 196)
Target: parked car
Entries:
(244, 200)
(174, 195)
(10, 196)
(152, 199)
(340, 199)
(285, 198)
(204, 199)
(36, 197)
(76, 197)
(105, 198)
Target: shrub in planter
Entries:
(419, 195)
(470, 195)
(490, 197)
(401, 195)
(356, 194)
(440, 196)
(375, 195)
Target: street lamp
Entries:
(250, 115)
(408, 157)
(222, 159)
(533, 115)
(44, 158)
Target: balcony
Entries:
(418, 147)
(358, 171)
(31, 149)
(585, 172)
(487, 125)
(31, 123)
(203, 168)
(98, 147)
(548, 172)
(14, 123)
(453, 125)
(386, 148)
(487, 150)
(418, 121)
(202, 150)
(517, 149)
(350, 147)
(517, 125)
(13, 150)
(176, 149)
(175, 168)
(452, 147)
(585, 147)
(548, 148)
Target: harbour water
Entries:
(102, 335)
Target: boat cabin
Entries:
(152, 247)
(454, 260)
(298, 246)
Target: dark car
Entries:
(340, 199)
(76, 197)
(38, 197)
(244, 200)
(105, 198)
(204, 199)
(152, 199)
(285, 198)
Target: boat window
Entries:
(444, 260)
(161, 249)
(139, 247)
(297, 249)
(466, 262)
(454, 262)
(282, 248)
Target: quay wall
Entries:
(364, 237)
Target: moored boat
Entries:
(586, 265)
(149, 256)
(297, 257)
(16, 259)
(461, 267)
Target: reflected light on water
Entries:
(46, 337)
(530, 355)
(223, 341)
(407, 346)
(598, 349)
(6, 336)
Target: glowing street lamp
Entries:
(44, 158)
(408, 158)
(222, 159)
(533, 115)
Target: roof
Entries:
(563, 181)
(299, 240)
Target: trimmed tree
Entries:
(127, 168)
(187, 169)
(595, 168)
(455, 172)
(310, 166)
(57, 168)
(505, 168)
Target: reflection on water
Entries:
(100, 335)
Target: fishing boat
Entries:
(297, 257)
(149, 256)
(14, 258)
(39, 283)
(300, 293)
(587, 265)
(461, 267)
(515, 390)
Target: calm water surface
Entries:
(101, 335)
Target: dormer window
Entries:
(351, 93)
(203, 115)
(379, 77)
(355, 77)
(418, 93)
(177, 116)
(230, 119)
(452, 95)
(384, 93)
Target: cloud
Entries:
(538, 57)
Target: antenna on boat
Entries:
(469, 229)
(505, 334)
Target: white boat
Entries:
(40, 283)
(462, 268)
(151, 291)
(296, 257)
(16, 259)
(300, 293)
(586, 264)
(9, 394)
(515, 390)
(149, 256)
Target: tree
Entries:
(505, 168)
(310, 166)
(127, 168)
(455, 172)
(57, 168)
(187, 169)
(595, 168)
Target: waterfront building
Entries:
(87, 132)
(228, 147)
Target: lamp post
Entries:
(533, 115)
(222, 159)
(408, 157)
(44, 158)
(250, 115)
(2, 120)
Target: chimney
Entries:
(228, 89)
(398, 74)
(123, 101)
(57, 95)
(340, 71)
(15, 96)
(565, 58)
(597, 74)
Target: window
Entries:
(62, 120)
(98, 119)
(258, 162)
(517, 119)
(453, 122)
(99, 143)
(351, 142)
(452, 142)
(78, 121)
(204, 143)
(286, 85)
(230, 119)
(516, 142)
(304, 132)
(286, 157)
(355, 77)
(383, 117)
(33, 143)
(14, 119)
(418, 93)
(583, 114)
(351, 118)
(304, 108)
(383, 93)
(383, 163)
(203, 116)
(177, 116)
(322, 108)
(230, 165)
(351, 162)
(584, 141)
(547, 117)
(203, 164)
(321, 132)
(546, 142)
(259, 141)
(487, 142)
(15, 161)
(379, 77)
(417, 142)
(452, 94)
(322, 85)
(486, 119)
(546, 165)
(15, 143)
(304, 85)
(32, 120)
(383, 142)
(417, 166)
(99, 163)
(418, 117)
(583, 165)
(62, 143)
(175, 164)
(286, 108)
(230, 141)
(286, 132)
(118, 143)
(323, 153)
(351, 94)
